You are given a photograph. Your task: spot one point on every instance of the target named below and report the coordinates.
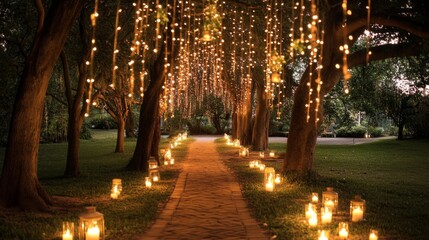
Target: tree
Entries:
(390, 19)
(19, 184)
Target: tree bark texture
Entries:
(262, 120)
(19, 185)
(120, 138)
(156, 139)
(148, 116)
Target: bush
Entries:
(85, 132)
(103, 122)
(375, 131)
(355, 132)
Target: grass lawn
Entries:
(124, 218)
(392, 176)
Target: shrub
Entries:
(355, 131)
(375, 131)
(103, 122)
(85, 132)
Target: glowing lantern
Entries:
(278, 178)
(167, 154)
(323, 235)
(91, 225)
(272, 154)
(261, 166)
(343, 230)
(154, 175)
(152, 163)
(314, 197)
(269, 174)
(251, 164)
(236, 143)
(68, 230)
(373, 234)
(257, 163)
(275, 77)
(172, 161)
(326, 215)
(116, 188)
(310, 210)
(357, 208)
(148, 182)
(261, 154)
(243, 152)
(330, 199)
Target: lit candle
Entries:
(155, 178)
(269, 187)
(68, 235)
(314, 197)
(278, 179)
(313, 220)
(357, 214)
(323, 235)
(373, 235)
(148, 183)
(329, 203)
(166, 162)
(256, 163)
(251, 164)
(262, 167)
(261, 154)
(115, 193)
(326, 215)
(272, 154)
(93, 233)
(309, 211)
(343, 231)
(172, 161)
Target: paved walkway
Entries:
(206, 202)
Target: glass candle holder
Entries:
(330, 199)
(373, 234)
(343, 230)
(326, 215)
(251, 164)
(272, 154)
(152, 163)
(310, 211)
(262, 167)
(278, 178)
(262, 154)
(154, 175)
(91, 225)
(269, 174)
(148, 182)
(323, 235)
(68, 231)
(116, 188)
(357, 208)
(315, 197)
(172, 161)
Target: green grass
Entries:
(124, 218)
(392, 176)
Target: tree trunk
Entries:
(129, 125)
(148, 116)
(19, 185)
(120, 135)
(156, 139)
(73, 138)
(401, 131)
(235, 125)
(262, 120)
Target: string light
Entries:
(90, 80)
(115, 43)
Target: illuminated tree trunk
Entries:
(156, 139)
(120, 138)
(148, 116)
(262, 120)
(19, 184)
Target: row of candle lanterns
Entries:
(330, 208)
(178, 139)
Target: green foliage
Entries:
(355, 131)
(162, 15)
(212, 18)
(103, 121)
(376, 131)
(85, 131)
(277, 62)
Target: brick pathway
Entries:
(206, 202)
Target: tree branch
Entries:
(391, 21)
(56, 98)
(41, 20)
(383, 52)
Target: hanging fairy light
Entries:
(115, 43)
(345, 48)
(367, 31)
(90, 80)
